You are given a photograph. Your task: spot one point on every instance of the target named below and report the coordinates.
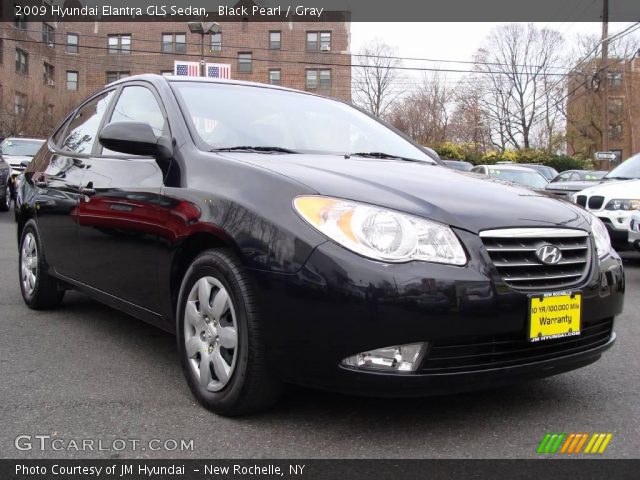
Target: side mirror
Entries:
(135, 138)
(25, 163)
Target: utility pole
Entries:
(605, 75)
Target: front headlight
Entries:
(600, 235)
(379, 233)
(622, 204)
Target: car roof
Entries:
(157, 79)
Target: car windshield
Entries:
(630, 168)
(527, 178)
(27, 148)
(227, 116)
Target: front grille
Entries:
(595, 202)
(513, 253)
(581, 200)
(478, 353)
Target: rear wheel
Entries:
(219, 337)
(39, 290)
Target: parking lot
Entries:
(85, 371)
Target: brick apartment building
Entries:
(584, 110)
(47, 68)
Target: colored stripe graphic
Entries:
(572, 443)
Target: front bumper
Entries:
(340, 304)
(617, 223)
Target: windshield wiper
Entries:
(245, 148)
(386, 156)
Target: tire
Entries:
(235, 379)
(40, 291)
(5, 204)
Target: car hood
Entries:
(573, 186)
(465, 200)
(615, 189)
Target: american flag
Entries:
(218, 70)
(186, 69)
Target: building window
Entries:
(274, 76)
(245, 24)
(119, 44)
(72, 43)
(113, 76)
(49, 74)
(318, 79)
(49, 112)
(216, 42)
(615, 106)
(318, 41)
(166, 73)
(615, 131)
(22, 61)
(48, 34)
(615, 79)
(174, 43)
(244, 63)
(72, 80)
(274, 40)
(19, 21)
(19, 103)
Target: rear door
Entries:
(57, 179)
(118, 213)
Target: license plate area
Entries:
(554, 315)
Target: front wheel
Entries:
(40, 291)
(219, 337)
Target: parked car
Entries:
(458, 165)
(18, 152)
(613, 202)
(572, 181)
(288, 237)
(512, 173)
(634, 230)
(5, 186)
(547, 172)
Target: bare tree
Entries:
(424, 113)
(517, 70)
(468, 123)
(374, 77)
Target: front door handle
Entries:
(88, 190)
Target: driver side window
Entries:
(138, 104)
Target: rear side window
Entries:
(83, 129)
(58, 135)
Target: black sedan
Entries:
(287, 237)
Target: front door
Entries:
(118, 210)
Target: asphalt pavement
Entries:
(87, 372)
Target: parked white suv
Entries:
(613, 202)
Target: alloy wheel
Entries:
(210, 333)
(29, 263)
(7, 197)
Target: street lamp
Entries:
(203, 28)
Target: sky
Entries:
(451, 41)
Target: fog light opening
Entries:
(397, 358)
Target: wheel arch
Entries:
(188, 250)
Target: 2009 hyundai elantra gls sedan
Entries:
(287, 237)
